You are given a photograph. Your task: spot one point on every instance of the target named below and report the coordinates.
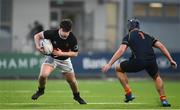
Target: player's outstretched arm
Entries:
(116, 56)
(164, 50)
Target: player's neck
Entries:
(59, 32)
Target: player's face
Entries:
(64, 34)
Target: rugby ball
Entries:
(47, 46)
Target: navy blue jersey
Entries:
(69, 44)
(141, 45)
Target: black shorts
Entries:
(135, 65)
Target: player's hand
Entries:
(106, 68)
(40, 49)
(57, 52)
(173, 64)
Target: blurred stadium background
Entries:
(99, 26)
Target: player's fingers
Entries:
(104, 69)
(174, 65)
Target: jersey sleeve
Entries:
(47, 34)
(125, 40)
(74, 44)
(153, 40)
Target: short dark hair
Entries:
(66, 25)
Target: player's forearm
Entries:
(166, 53)
(118, 53)
(163, 49)
(37, 38)
(116, 56)
(70, 54)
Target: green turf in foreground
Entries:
(101, 94)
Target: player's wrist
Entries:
(60, 53)
(64, 54)
(171, 60)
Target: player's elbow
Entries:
(35, 36)
(75, 54)
(122, 48)
(161, 46)
(38, 36)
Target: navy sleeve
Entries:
(74, 44)
(47, 34)
(153, 40)
(125, 40)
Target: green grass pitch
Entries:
(99, 94)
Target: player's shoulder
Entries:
(51, 31)
(145, 33)
(150, 37)
(72, 36)
(126, 37)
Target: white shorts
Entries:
(63, 65)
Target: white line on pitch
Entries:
(98, 103)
